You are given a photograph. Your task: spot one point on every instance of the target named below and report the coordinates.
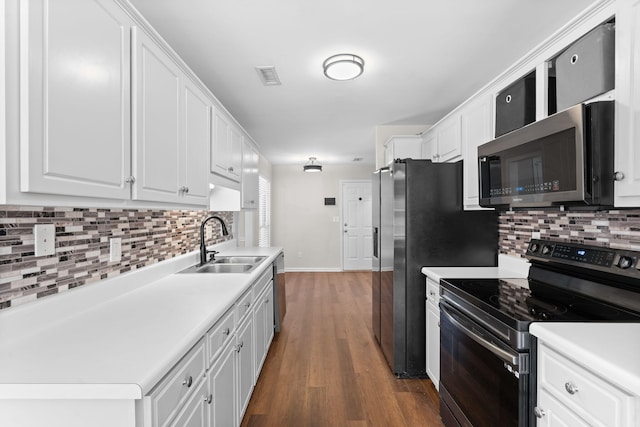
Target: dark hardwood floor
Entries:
(325, 368)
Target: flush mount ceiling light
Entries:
(312, 165)
(344, 66)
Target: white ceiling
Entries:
(422, 58)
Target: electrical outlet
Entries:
(535, 234)
(44, 239)
(115, 249)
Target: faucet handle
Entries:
(213, 255)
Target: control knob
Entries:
(534, 247)
(546, 249)
(625, 262)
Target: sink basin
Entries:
(239, 260)
(224, 268)
(227, 264)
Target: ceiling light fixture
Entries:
(344, 66)
(312, 165)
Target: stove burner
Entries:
(545, 310)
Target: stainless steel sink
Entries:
(239, 260)
(227, 264)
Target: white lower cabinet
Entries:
(433, 331)
(263, 322)
(195, 412)
(572, 394)
(245, 364)
(211, 385)
(222, 387)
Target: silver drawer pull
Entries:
(188, 381)
(248, 305)
(571, 388)
(208, 399)
(226, 331)
(539, 412)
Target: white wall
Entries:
(300, 221)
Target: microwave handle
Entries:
(500, 353)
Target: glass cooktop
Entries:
(517, 302)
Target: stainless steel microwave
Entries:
(564, 159)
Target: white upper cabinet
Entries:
(449, 138)
(441, 143)
(75, 98)
(226, 148)
(194, 184)
(475, 119)
(250, 164)
(402, 147)
(627, 131)
(156, 122)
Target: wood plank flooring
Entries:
(325, 368)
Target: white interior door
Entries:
(356, 225)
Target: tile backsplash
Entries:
(82, 245)
(615, 228)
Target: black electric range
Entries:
(485, 322)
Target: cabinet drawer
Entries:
(262, 282)
(178, 385)
(244, 305)
(219, 335)
(592, 397)
(433, 292)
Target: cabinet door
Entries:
(430, 146)
(235, 153)
(476, 130)
(197, 140)
(220, 153)
(156, 124)
(433, 344)
(194, 413)
(259, 319)
(245, 364)
(75, 98)
(555, 414)
(449, 144)
(250, 164)
(627, 132)
(222, 386)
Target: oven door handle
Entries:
(504, 355)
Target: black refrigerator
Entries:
(418, 221)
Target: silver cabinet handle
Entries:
(208, 399)
(226, 331)
(539, 412)
(571, 387)
(188, 381)
(130, 179)
(230, 169)
(247, 305)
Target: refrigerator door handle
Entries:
(375, 242)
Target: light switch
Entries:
(44, 239)
(115, 249)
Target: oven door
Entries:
(483, 382)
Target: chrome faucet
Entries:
(203, 248)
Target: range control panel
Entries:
(615, 261)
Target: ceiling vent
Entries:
(268, 75)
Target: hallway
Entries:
(325, 368)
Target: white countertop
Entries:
(121, 347)
(611, 350)
(508, 267)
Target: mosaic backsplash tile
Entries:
(616, 228)
(82, 245)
